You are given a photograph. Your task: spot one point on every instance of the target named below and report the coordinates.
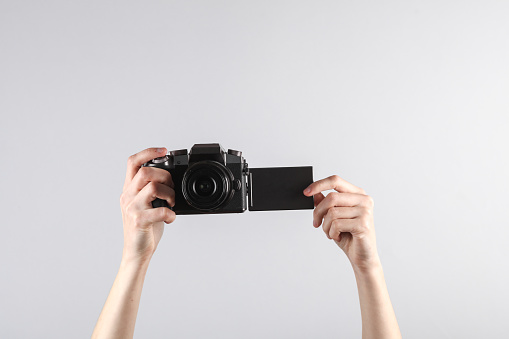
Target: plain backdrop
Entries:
(406, 99)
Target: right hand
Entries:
(143, 224)
(347, 216)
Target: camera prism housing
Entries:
(210, 180)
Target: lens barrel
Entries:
(207, 185)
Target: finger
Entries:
(318, 198)
(150, 174)
(339, 226)
(333, 182)
(152, 191)
(135, 161)
(144, 176)
(335, 199)
(337, 237)
(339, 213)
(154, 215)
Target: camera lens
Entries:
(207, 185)
(204, 186)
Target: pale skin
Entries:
(346, 217)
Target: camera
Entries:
(210, 180)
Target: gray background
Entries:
(406, 99)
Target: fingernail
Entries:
(160, 150)
(315, 223)
(307, 190)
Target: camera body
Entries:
(210, 180)
(207, 180)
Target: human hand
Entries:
(143, 224)
(347, 216)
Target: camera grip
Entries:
(166, 163)
(160, 203)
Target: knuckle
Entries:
(364, 223)
(144, 172)
(337, 224)
(369, 201)
(163, 213)
(335, 197)
(366, 210)
(334, 233)
(335, 178)
(332, 213)
(123, 199)
(167, 215)
(336, 236)
(334, 227)
(131, 160)
(172, 216)
(152, 188)
(334, 224)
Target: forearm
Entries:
(378, 317)
(118, 315)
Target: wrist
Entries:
(368, 267)
(134, 261)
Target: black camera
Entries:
(211, 180)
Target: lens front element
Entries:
(207, 185)
(204, 186)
